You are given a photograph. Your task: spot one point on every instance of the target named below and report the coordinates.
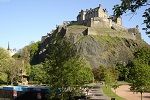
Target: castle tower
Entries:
(83, 15)
(119, 21)
(102, 12)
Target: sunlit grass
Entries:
(107, 91)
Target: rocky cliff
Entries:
(102, 47)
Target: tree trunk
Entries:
(8, 78)
(11, 81)
(141, 95)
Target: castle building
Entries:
(97, 21)
(94, 21)
(97, 17)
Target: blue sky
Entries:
(23, 21)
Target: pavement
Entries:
(96, 93)
(124, 92)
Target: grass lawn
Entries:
(107, 91)
(123, 83)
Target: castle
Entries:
(97, 22)
(98, 17)
(94, 21)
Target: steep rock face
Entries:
(104, 49)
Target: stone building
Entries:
(98, 17)
(11, 51)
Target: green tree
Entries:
(4, 61)
(38, 74)
(34, 52)
(25, 58)
(99, 73)
(11, 67)
(4, 54)
(123, 72)
(133, 6)
(110, 76)
(139, 73)
(140, 78)
(29, 53)
(115, 86)
(63, 67)
(143, 55)
(76, 72)
(12, 70)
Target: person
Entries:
(14, 94)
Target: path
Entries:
(96, 93)
(124, 92)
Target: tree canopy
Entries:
(9, 67)
(38, 74)
(64, 69)
(133, 6)
(140, 71)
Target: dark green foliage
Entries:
(64, 69)
(139, 74)
(140, 77)
(38, 74)
(77, 72)
(5, 59)
(123, 72)
(34, 52)
(115, 86)
(133, 6)
(30, 53)
(143, 55)
(107, 74)
(137, 71)
(99, 73)
(146, 15)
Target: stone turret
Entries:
(81, 16)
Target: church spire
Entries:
(8, 48)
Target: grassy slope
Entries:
(107, 91)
